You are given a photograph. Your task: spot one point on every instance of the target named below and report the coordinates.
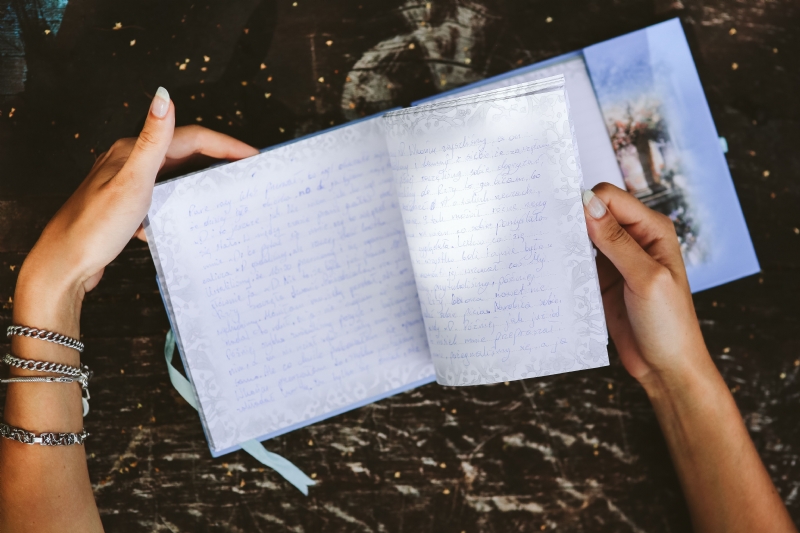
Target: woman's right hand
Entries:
(648, 304)
(651, 318)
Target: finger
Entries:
(633, 215)
(151, 146)
(186, 164)
(633, 263)
(654, 232)
(191, 140)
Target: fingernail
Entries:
(593, 204)
(160, 104)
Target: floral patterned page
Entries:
(490, 187)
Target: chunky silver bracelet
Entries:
(44, 366)
(43, 439)
(45, 335)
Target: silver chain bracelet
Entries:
(69, 374)
(45, 335)
(43, 439)
(43, 366)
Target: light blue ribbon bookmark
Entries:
(285, 468)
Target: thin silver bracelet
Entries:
(35, 379)
(72, 373)
(44, 335)
(43, 439)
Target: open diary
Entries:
(446, 242)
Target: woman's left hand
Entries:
(68, 260)
(108, 208)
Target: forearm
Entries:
(45, 488)
(726, 485)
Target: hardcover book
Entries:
(444, 242)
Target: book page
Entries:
(598, 161)
(490, 192)
(289, 284)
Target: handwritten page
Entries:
(289, 284)
(597, 156)
(489, 187)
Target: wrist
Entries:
(46, 299)
(691, 387)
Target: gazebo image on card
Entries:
(667, 147)
(652, 168)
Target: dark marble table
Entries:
(578, 452)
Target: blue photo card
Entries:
(668, 150)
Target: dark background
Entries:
(577, 452)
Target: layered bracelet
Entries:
(65, 374)
(43, 366)
(44, 439)
(44, 335)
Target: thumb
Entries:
(635, 265)
(150, 149)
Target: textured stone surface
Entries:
(579, 452)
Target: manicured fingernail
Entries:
(160, 104)
(593, 204)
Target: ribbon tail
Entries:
(180, 383)
(282, 466)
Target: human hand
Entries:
(93, 226)
(648, 304)
(651, 317)
(107, 209)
